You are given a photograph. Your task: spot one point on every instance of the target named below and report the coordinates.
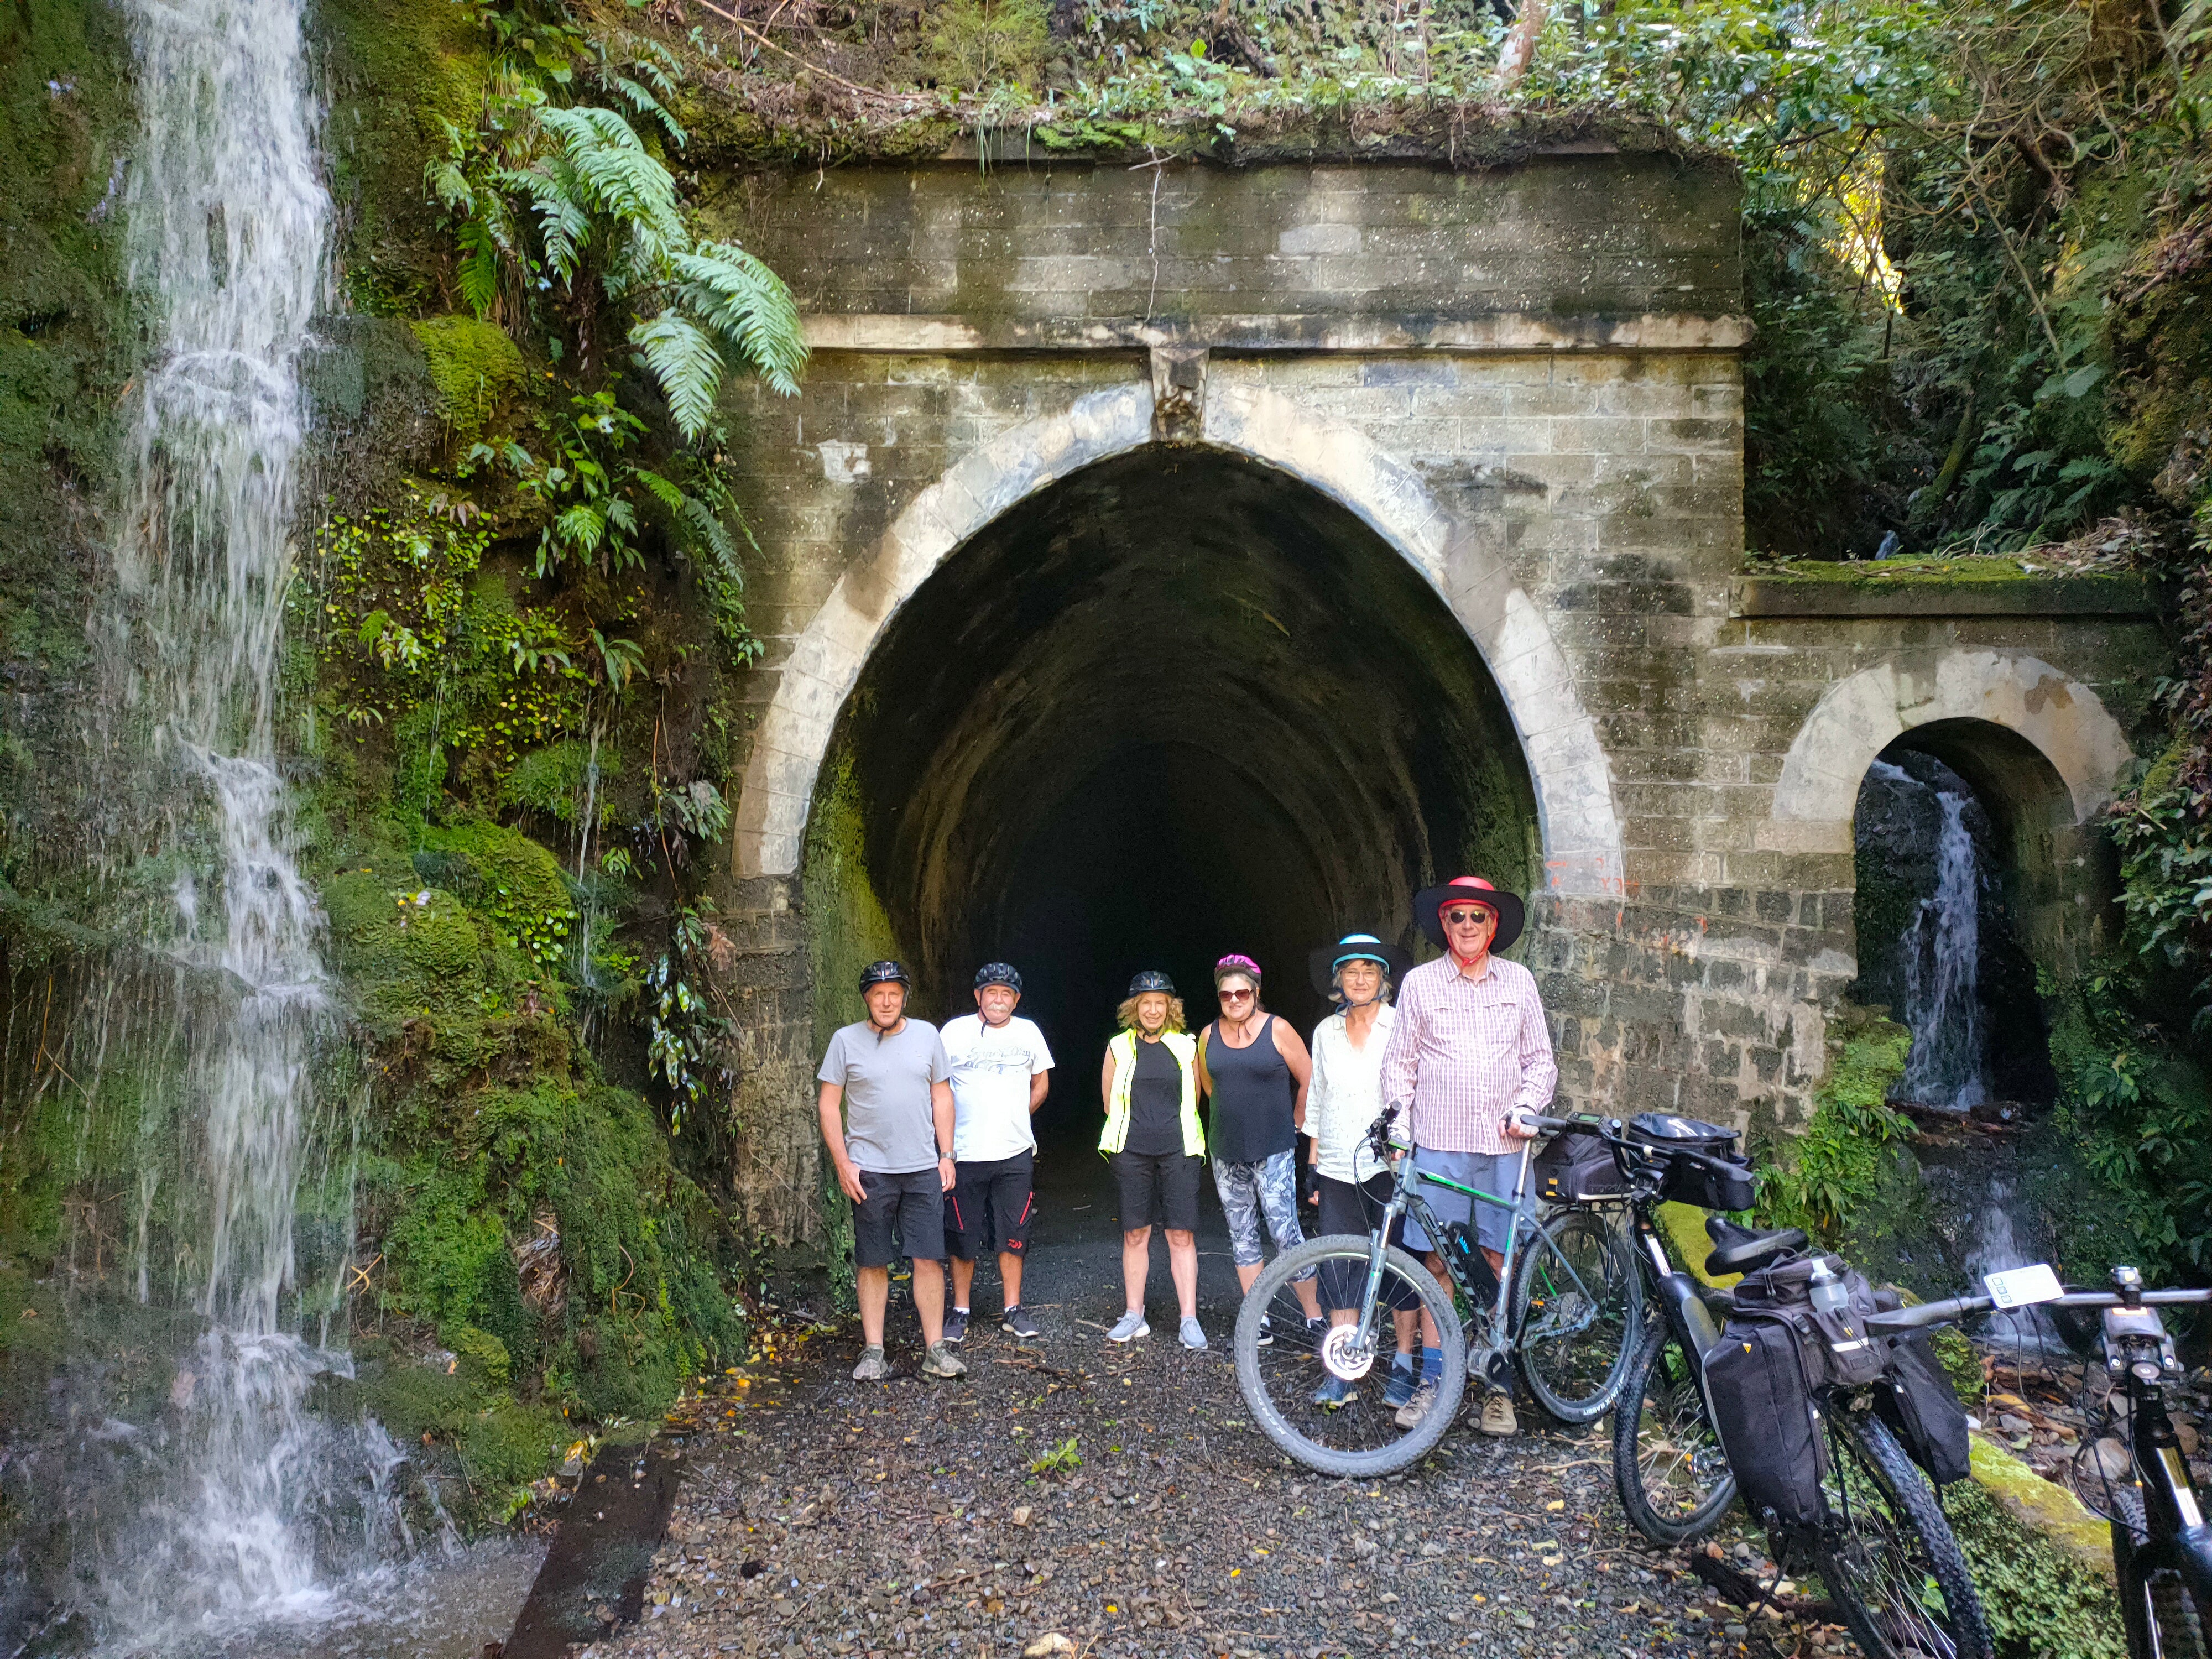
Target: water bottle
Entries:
(1828, 1293)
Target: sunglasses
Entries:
(1460, 918)
(1236, 996)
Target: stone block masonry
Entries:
(1524, 383)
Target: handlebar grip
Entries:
(1551, 1126)
(1928, 1313)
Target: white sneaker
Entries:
(1194, 1333)
(1132, 1326)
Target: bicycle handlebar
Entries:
(1942, 1313)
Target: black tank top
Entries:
(1155, 1100)
(1252, 1096)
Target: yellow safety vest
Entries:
(1123, 1049)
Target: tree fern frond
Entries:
(740, 298)
(683, 360)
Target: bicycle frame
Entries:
(2138, 1348)
(1495, 1327)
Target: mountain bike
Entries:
(1882, 1549)
(1559, 1312)
(2161, 1544)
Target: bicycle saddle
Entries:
(1739, 1249)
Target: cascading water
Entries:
(228, 223)
(1942, 956)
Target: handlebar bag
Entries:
(1769, 1420)
(1685, 1180)
(1575, 1167)
(1918, 1402)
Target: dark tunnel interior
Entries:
(1176, 705)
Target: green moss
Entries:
(1977, 568)
(1828, 1173)
(474, 370)
(1683, 1227)
(481, 1357)
(2042, 1563)
(846, 926)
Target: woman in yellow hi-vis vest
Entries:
(1154, 1142)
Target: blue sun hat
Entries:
(1326, 959)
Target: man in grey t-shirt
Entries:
(886, 1106)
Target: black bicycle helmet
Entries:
(885, 973)
(999, 973)
(1151, 980)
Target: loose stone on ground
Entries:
(822, 1517)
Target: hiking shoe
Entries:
(941, 1361)
(1402, 1383)
(1497, 1417)
(956, 1325)
(1132, 1326)
(1337, 1391)
(1410, 1413)
(1015, 1323)
(1194, 1333)
(874, 1367)
(1266, 1332)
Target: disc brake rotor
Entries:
(1345, 1355)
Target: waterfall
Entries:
(228, 231)
(1940, 962)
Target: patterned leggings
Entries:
(1249, 1191)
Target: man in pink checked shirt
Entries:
(1470, 1055)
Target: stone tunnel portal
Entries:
(1174, 705)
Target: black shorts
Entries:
(1160, 1186)
(990, 1205)
(1345, 1208)
(914, 1203)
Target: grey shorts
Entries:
(1493, 1172)
(1249, 1192)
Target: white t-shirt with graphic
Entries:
(991, 1066)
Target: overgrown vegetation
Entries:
(1821, 1178)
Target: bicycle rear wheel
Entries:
(1887, 1554)
(1578, 1303)
(2161, 1618)
(1667, 1465)
(1360, 1435)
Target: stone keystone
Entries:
(1178, 393)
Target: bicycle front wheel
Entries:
(1887, 1554)
(1667, 1465)
(1321, 1399)
(1578, 1304)
(2161, 1617)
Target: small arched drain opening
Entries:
(1977, 891)
(1176, 705)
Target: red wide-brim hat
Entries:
(1430, 902)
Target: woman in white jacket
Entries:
(1343, 1100)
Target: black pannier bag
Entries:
(1920, 1405)
(1776, 1352)
(1687, 1182)
(1769, 1421)
(1575, 1167)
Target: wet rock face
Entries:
(1900, 829)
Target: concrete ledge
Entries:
(866, 332)
(1869, 595)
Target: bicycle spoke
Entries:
(1576, 1296)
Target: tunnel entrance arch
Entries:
(1176, 704)
(1578, 824)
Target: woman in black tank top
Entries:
(1255, 1068)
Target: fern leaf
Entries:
(582, 528)
(742, 300)
(620, 178)
(646, 104)
(683, 360)
(479, 270)
(663, 490)
(709, 529)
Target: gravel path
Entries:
(821, 1516)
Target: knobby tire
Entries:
(1887, 1530)
(1667, 1465)
(1574, 1378)
(2162, 1619)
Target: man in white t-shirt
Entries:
(999, 1065)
